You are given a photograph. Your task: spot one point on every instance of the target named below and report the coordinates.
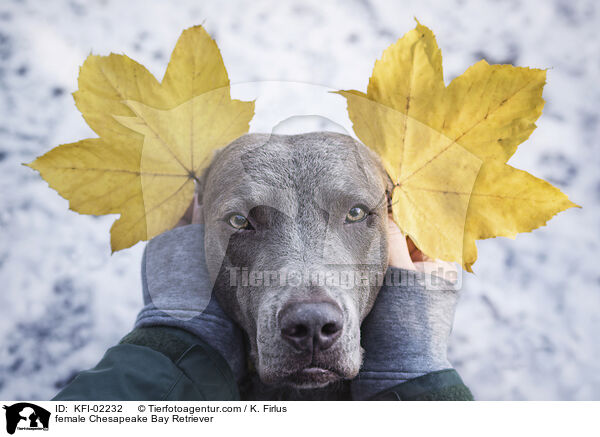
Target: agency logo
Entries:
(26, 416)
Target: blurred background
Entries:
(528, 322)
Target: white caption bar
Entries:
(307, 419)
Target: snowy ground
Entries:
(528, 323)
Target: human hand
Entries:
(406, 333)
(404, 254)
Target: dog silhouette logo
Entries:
(26, 416)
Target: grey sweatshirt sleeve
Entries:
(405, 336)
(178, 292)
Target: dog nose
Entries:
(310, 326)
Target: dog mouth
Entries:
(313, 376)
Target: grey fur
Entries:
(297, 191)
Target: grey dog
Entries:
(313, 203)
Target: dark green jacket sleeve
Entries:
(444, 385)
(167, 363)
(156, 363)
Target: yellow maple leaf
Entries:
(155, 138)
(445, 148)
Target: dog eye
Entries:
(356, 214)
(238, 221)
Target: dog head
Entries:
(295, 233)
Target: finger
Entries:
(398, 254)
(415, 253)
(197, 213)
